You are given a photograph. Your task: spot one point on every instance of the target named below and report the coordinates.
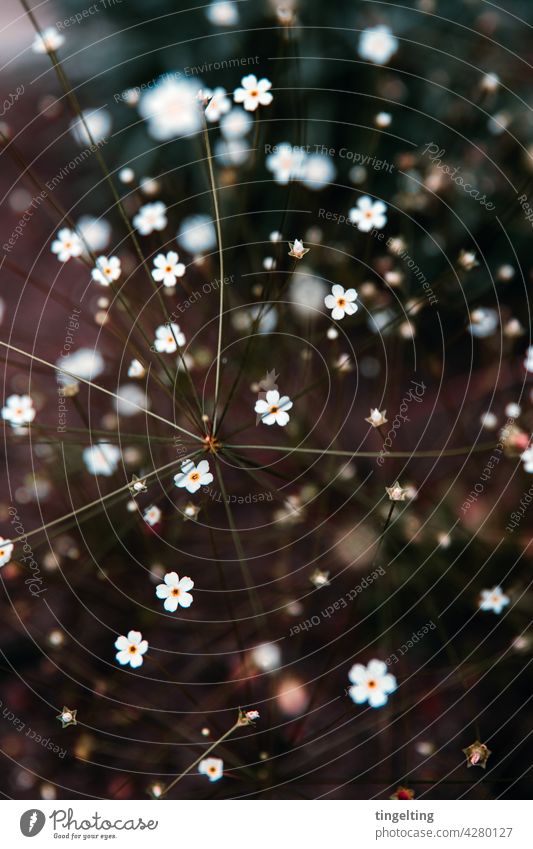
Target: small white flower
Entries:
(383, 119)
(85, 363)
(152, 515)
(273, 409)
(266, 656)
(483, 322)
(191, 511)
(377, 44)
(494, 600)
(192, 477)
(47, 40)
(368, 214)
(66, 245)
(101, 459)
(212, 767)
(6, 550)
(131, 649)
(222, 13)
(396, 492)
(297, 250)
(318, 171)
(94, 232)
(18, 410)
(527, 459)
(320, 579)
(167, 268)
(341, 302)
(219, 104)
(150, 217)
(377, 418)
(251, 715)
(467, 260)
(171, 107)
(372, 683)
(136, 369)
(253, 93)
(528, 362)
(175, 591)
(107, 270)
(166, 337)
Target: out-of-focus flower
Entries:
(131, 400)
(273, 409)
(527, 459)
(219, 104)
(6, 550)
(477, 754)
(175, 591)
(528, 362)
(320, 579)
(107, 270)
(67, 717)
(167, 268)
(47, 41)
(191, 511)
(213, 768)
(396, 492)
(222, 13)
(286, 163)
(192, 477)
(377, 44)
(66, 245)
(150, 217)
(371, 683)
(317, 171)
(368, 214)
(85, 363)
(297, 249)
(490, 83)
(235, 124)
(467, 260)
(18, 410)
(136, 369)
(171, 108)
(95, 126)
(131, 649)
(483, 322)
(341, 302)
(101, 459)
(197, 234)
(94, 232)
(383, 120)
(403, 793)
(266, 656)
(493, 600)
(168, 337)
(253, 93)
(377, 417)
(152, 515)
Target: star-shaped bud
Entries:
(297, 249)
(269, 381)
(377, 417)
(477, 754)
(247, 717)
(191, 511)
(137, 486)
(320, 579)
(67, 717)
(467, 260)
(396, 492)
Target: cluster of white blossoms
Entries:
(341, 302)
(288, 163)
(168, 337)
(377, 44)
(18, 410)
(193, 476)
(493, 600)
(213, 768)
(67, 245)
(175, 591)
(253, 93)
(167, 269)
(101, 458)
(107, 270)
(6, 550)
(371, 683)
(150, 217)
(368, 215)
(274, 408)
(131, 649)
